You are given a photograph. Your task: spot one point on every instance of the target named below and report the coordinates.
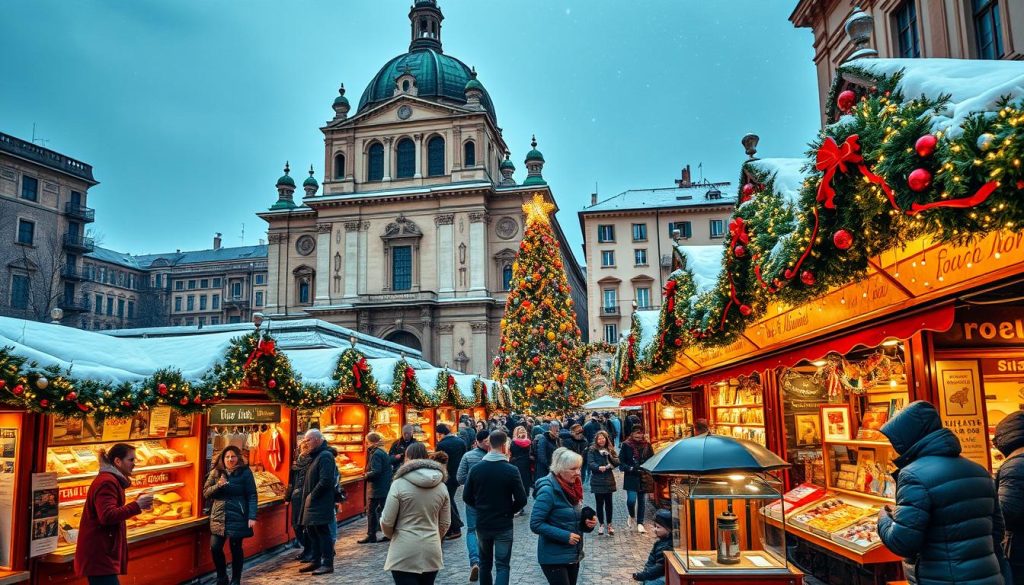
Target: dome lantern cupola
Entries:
(341, 105)
(285, 190)
(534, 166)
(507, 169)
(474, 91)
(310, 186)
(425, 17)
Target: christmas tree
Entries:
(541, 359)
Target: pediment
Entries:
(609, 280)
(422, 109)
(507, 254)
(642, 278)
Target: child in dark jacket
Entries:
(653, 572)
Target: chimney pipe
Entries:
(216, 241)
(684, 181)
(593, 198)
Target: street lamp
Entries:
(56, 314)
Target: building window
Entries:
(26, 232)
(611, 333)
(339, 172)
(607, 258)
(177, 304)
(216, 283)
(605, 233)
(191, 285)
(190, 303)
(406, 157)
(236, 290)
(204, 283)
(469, 154)
(98, 308)
(304, 291)
(214, 320)
(202, 302)
(717, 228)
(401, 268)
(506, 277)
(643, 297)
(609, 300)
(202, 321)
(29, 188)
(131, 309)
(435, 157)
(906, 30)
(234, 319)
(988, 29)
(259, 278)
(640, 257)
(189, 321)
(120, 308)
(639, 232)
(110, 306)
(375, 163)
(259, 298)
(683, 227)
(179, 285)
(19, 291)
(215, 302)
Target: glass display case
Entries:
(448, 415)
(674, 419)
(737, 409)
(386, 421)
(422, 421)
(259, 432)
(718, 527)
(344, 428)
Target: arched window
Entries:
(469, 155)
(435, 157)
(405, 85)
(506, 277)
(304, 291)
(375, 166)
(406, 159)
(339, 166)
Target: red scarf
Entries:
(573, 491)
(522, 442)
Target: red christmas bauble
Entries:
(197, 400)
(807, 277)
(272, 383)
(788, 273)
(678, 342)
(535, 360)
(126, 404)
(3, 384)
(679, 322)
(162, 389)
(739, 251)
(745, 310)
(842, 239)
(560, 378)
(71, 396)
(83, 407)
(919, 180)
(18, 390)
(183, 401)
(519, 373)
(44, 403)
(925, 145)
(846, 100)
(748, 189)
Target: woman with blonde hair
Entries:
(602, 461)
(520, 457)
(560, 519)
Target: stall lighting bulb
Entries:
(737, 477)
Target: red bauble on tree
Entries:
(739, 251)
(919, 180)
(71, 396)
(748, 189)
(846, 101)
(272, 383)
(18, 390)
(745, 310)
(807, 277)
(183, 401)
(44, 403)
(925, 145)
(843, 239)
(162, 389)
(126, 404)
(678, 342)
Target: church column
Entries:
(457, 161)
(418, 141)
(387, 157)
(445, 253)
(478, 221)
(427, 341)
(479, 359)
(351, 258)
(275, 292)
(323, 264)
(364, 229)
(446, 350)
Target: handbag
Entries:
(646, 481)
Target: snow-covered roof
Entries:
(694, 196)
(974, 85)
(787, 174)
(648, 321)
(705, 263)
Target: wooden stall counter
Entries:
(676, 574)
(11, 577)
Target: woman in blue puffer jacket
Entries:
(559, 518)
(947, 525)
(1009, 440)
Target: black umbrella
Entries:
(713, 454)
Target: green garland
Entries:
(168, 387)
(446, 391)
(672, 332)
(412, 393)
(365, 386)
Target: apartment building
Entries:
(627, 242)
(43, 216)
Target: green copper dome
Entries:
(285, 180)
(310, 181)
(534, 154)
(439, 77)
(507, 164)
(473, 83)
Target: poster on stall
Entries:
(159, 421)
(43, 532)
(8, 456)
(116, 429)
(960, 406)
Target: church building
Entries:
(412, 234)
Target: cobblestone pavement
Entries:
(610, 560)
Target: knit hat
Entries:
(664, 517)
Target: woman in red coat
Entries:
(102, 551)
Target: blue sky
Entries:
(187, 109)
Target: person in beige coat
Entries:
(416, 517)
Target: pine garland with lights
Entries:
(354, 377)
(446, 391)
(628, 363)
(253, 361)
(121, 401)
(540, 356)
(168, 387)
(672, 332)
(406, 387)
(481, 396)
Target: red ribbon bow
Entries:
(738, 229)
(832, 158)
(264, 348)
(670, 296)
(451, 381)
(358, 369)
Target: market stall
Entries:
(17, 427)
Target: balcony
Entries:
(80, 212)
(79, 243)
(73, 273)
(610, 311)
(74, 306)
(236, 303)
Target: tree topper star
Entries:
(537, 209)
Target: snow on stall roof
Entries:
(648, 321)
(315, 365)
(787, 174)
(693, 196)
(464, 382)
(974, 85)
(705, 263)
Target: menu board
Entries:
(43, 534)
(8, 457)
(960, 400)
(154, 423)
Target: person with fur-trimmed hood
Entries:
(416, 517)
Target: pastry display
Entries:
(832, 515)
(861, 535)
(268, 486)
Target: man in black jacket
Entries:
(318, 507)
(495, 490)
(378, 482)
(546, 446)
(455, 448)
(592, 427)
(397, 451)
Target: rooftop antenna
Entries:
(243, 234)
(700, 169)
(39, 141)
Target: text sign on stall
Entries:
(43, 531)
(984, 327)
(244, 414)
(960, 406)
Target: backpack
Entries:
(339, 490)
